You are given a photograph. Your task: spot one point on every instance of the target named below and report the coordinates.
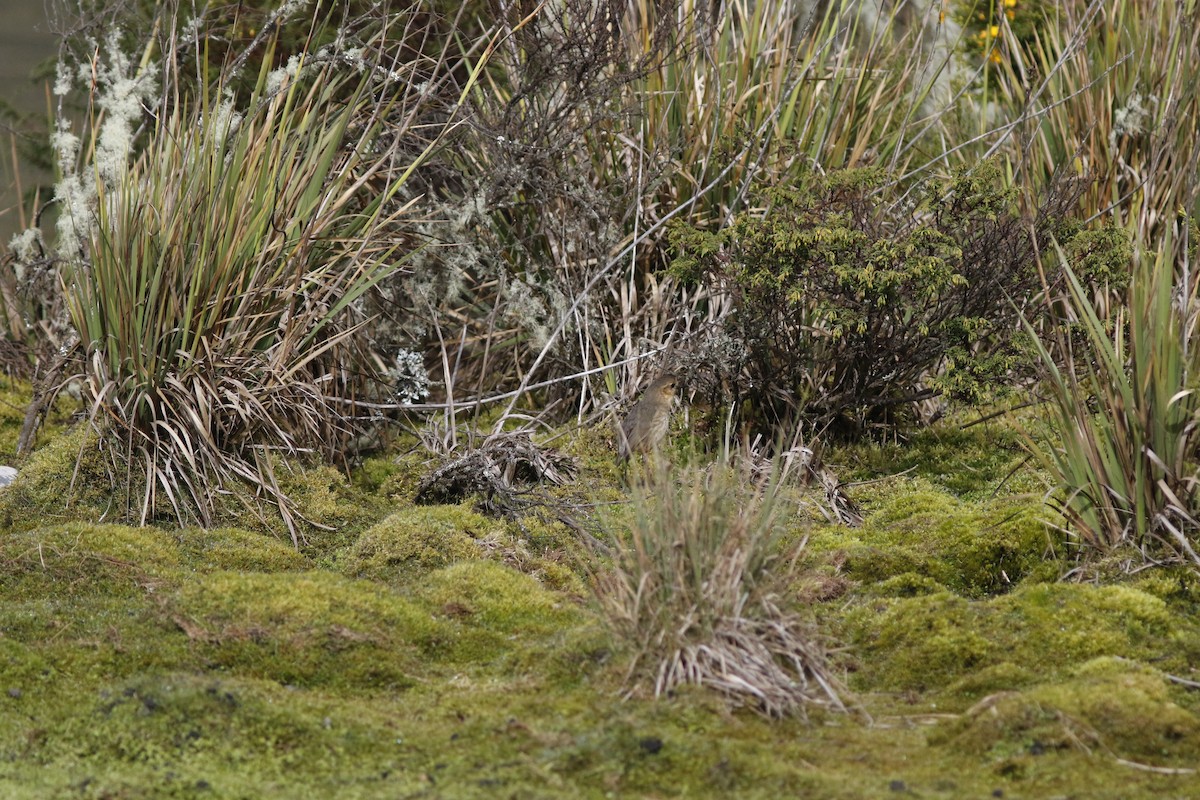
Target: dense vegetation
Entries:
(314, 358)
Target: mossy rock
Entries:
(936, 642)
(416, 540)
(1108, 704)
(307, 629)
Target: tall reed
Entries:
(1123, 408)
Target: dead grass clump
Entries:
(696, 595)
(503, 469)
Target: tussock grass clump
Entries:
(216, 288)
(221, 265)
(696, 595)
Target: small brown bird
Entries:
(645, 426)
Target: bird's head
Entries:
(665, 385)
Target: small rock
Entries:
(898, 786)
(7, 475)
(14, 693)
(651, 745)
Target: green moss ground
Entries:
(434, 652)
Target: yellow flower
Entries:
(1010, 3)
(994, 31)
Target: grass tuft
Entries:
(696, 594)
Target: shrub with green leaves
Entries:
(849, 302)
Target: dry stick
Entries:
(631, 247)
(1157, 770)
(475, 403)
(1182, 681)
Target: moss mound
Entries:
(84, 559)
(307, 629)
(933, 641)
(433, 651)
(497, 598)
(238, 549)
(73, 478)
(975, 549)
(416, 540)
(329, 511)
(1109, 704)
(70, 478)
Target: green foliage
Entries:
(992, 26)
(206, 322)
(216, 305)
(224, 663)
(605, 120)
(1087, 78)
(1102, 257)
(848, 306)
